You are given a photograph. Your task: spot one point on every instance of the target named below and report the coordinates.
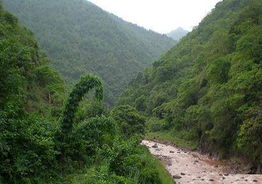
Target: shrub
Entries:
(85, 84)
(91, 135)
(127, 159)
(64, 135)
(129, 120)
(26, 146)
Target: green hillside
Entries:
(43, 141)
(208, 88)
(31, 95)
(80, 37)
(26, 80)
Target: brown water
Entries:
(196, 168)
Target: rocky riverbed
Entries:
(192, 167)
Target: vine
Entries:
(85, 84)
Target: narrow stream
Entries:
(193, 167)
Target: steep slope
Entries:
(25, 77)
(32, 125)
(177, 34)
(80, 37)
(208, 88)
(29, 90)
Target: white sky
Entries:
(161, 16)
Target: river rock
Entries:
(177, 177)
(155, 146)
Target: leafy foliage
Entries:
(129, 120)
(208, 87)
(79, 37)
(126, 159)
(27, 146)
(121, 159)
(91, 135)
(85, 84)
(26, 94)
(31, 120)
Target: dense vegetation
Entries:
(208, 88)
(206, 91)
(79, 37)
(44, 141)
(29, 90)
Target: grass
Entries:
(174, 138)
(165, 177)
(81, 177)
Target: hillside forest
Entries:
(82, 38)
(207, 89)
(78, 94)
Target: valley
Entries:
(88, 98)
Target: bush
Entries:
(64, 135)
(85, 84)
(102, 176)
(149, 176)
(91, 135)
(155, 125)
(26, 146)
(91, 110)
(249, 140)
(129, 120)
(127, 159)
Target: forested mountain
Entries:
(177, 34)
(208, 88)
(80, 37)
(42, 141)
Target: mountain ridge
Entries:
(177, 34)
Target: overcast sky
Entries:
(159, 15)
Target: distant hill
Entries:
(80, 37)
(177, 34)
